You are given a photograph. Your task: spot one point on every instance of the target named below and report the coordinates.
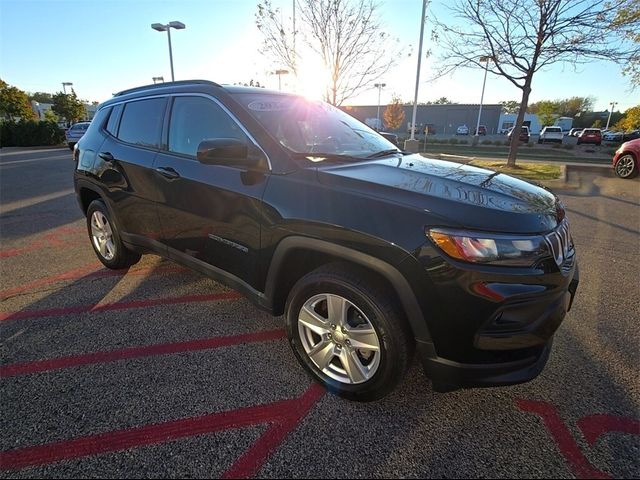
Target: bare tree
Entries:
(279, 38)
(521, 37)
(345, 34)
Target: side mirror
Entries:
(226, 151)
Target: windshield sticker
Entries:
(262, 106)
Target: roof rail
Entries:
(167, 84)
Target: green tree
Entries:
(41, 97)
(630, 121)
(441, 101)
(14, 103)
(68, 106)
(510, 106)
(627, 21)
(50, 116)
(597, 124)
(394, 114)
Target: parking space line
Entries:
(289, 412)
(253, 459)
(40, 366)
(94, 308)
(58, 237)
(565, 442)
(89, 271)
(593, 426)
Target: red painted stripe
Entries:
(88, 271)
(60, 277)
(562, 436)
(136, 352)
(253, 459)
(593, 426)
(58, 237)
(56, 312)
(148, 435)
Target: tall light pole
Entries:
(613, 105)
(167, 28)
(379, 86)
(412, 143)
(280, 72)
(65, 85)
(486, 69)
(158, 79)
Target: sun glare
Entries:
(312, 81)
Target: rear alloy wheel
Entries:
(348, 332)
(105, 238)
(626, 166)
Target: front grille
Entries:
(561, 246)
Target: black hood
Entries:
(452, 193)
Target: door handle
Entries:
(106, 156)
(167, 172)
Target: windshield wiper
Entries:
(385, 153)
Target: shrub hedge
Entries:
(30, 133)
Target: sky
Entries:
(104, 46)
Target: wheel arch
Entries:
(286, 268)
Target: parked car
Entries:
(590, 135)
(613, 136)
(551, 134)
(632, 135)
(462, 130)
(524, 134)
(75, 133)
(482, 130)
(574, 132)
(313, 215)
(626, 158)
(392, 137)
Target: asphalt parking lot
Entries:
(160, 372)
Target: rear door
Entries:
(210, 213)
(127, 156)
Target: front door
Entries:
(208, 212)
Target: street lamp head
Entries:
(159, 27)
(66, 84)
(485, 58)
(281, 72)
(379, 85)
(177, 25)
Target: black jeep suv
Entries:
(368, 251)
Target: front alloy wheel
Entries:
(339, 339)
(626, 166)
(348, 331)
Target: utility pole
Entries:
(613, 105)
(476, 138)
(412, 144)
(379, 86)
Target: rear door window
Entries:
(141, 122)
(112, 124)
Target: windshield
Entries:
(313, 127)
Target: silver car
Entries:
(75, 133)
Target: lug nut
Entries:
(338, 345)
(348, 342)
(333, 326)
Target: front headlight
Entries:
(477, 247)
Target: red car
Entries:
(625, 161)
(590, 135)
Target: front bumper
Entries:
(496, 335)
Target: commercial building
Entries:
(440, 119)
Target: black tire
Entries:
(379, 307)
(71, 145)
(122, 256)
(540, 140)
(598, 144)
